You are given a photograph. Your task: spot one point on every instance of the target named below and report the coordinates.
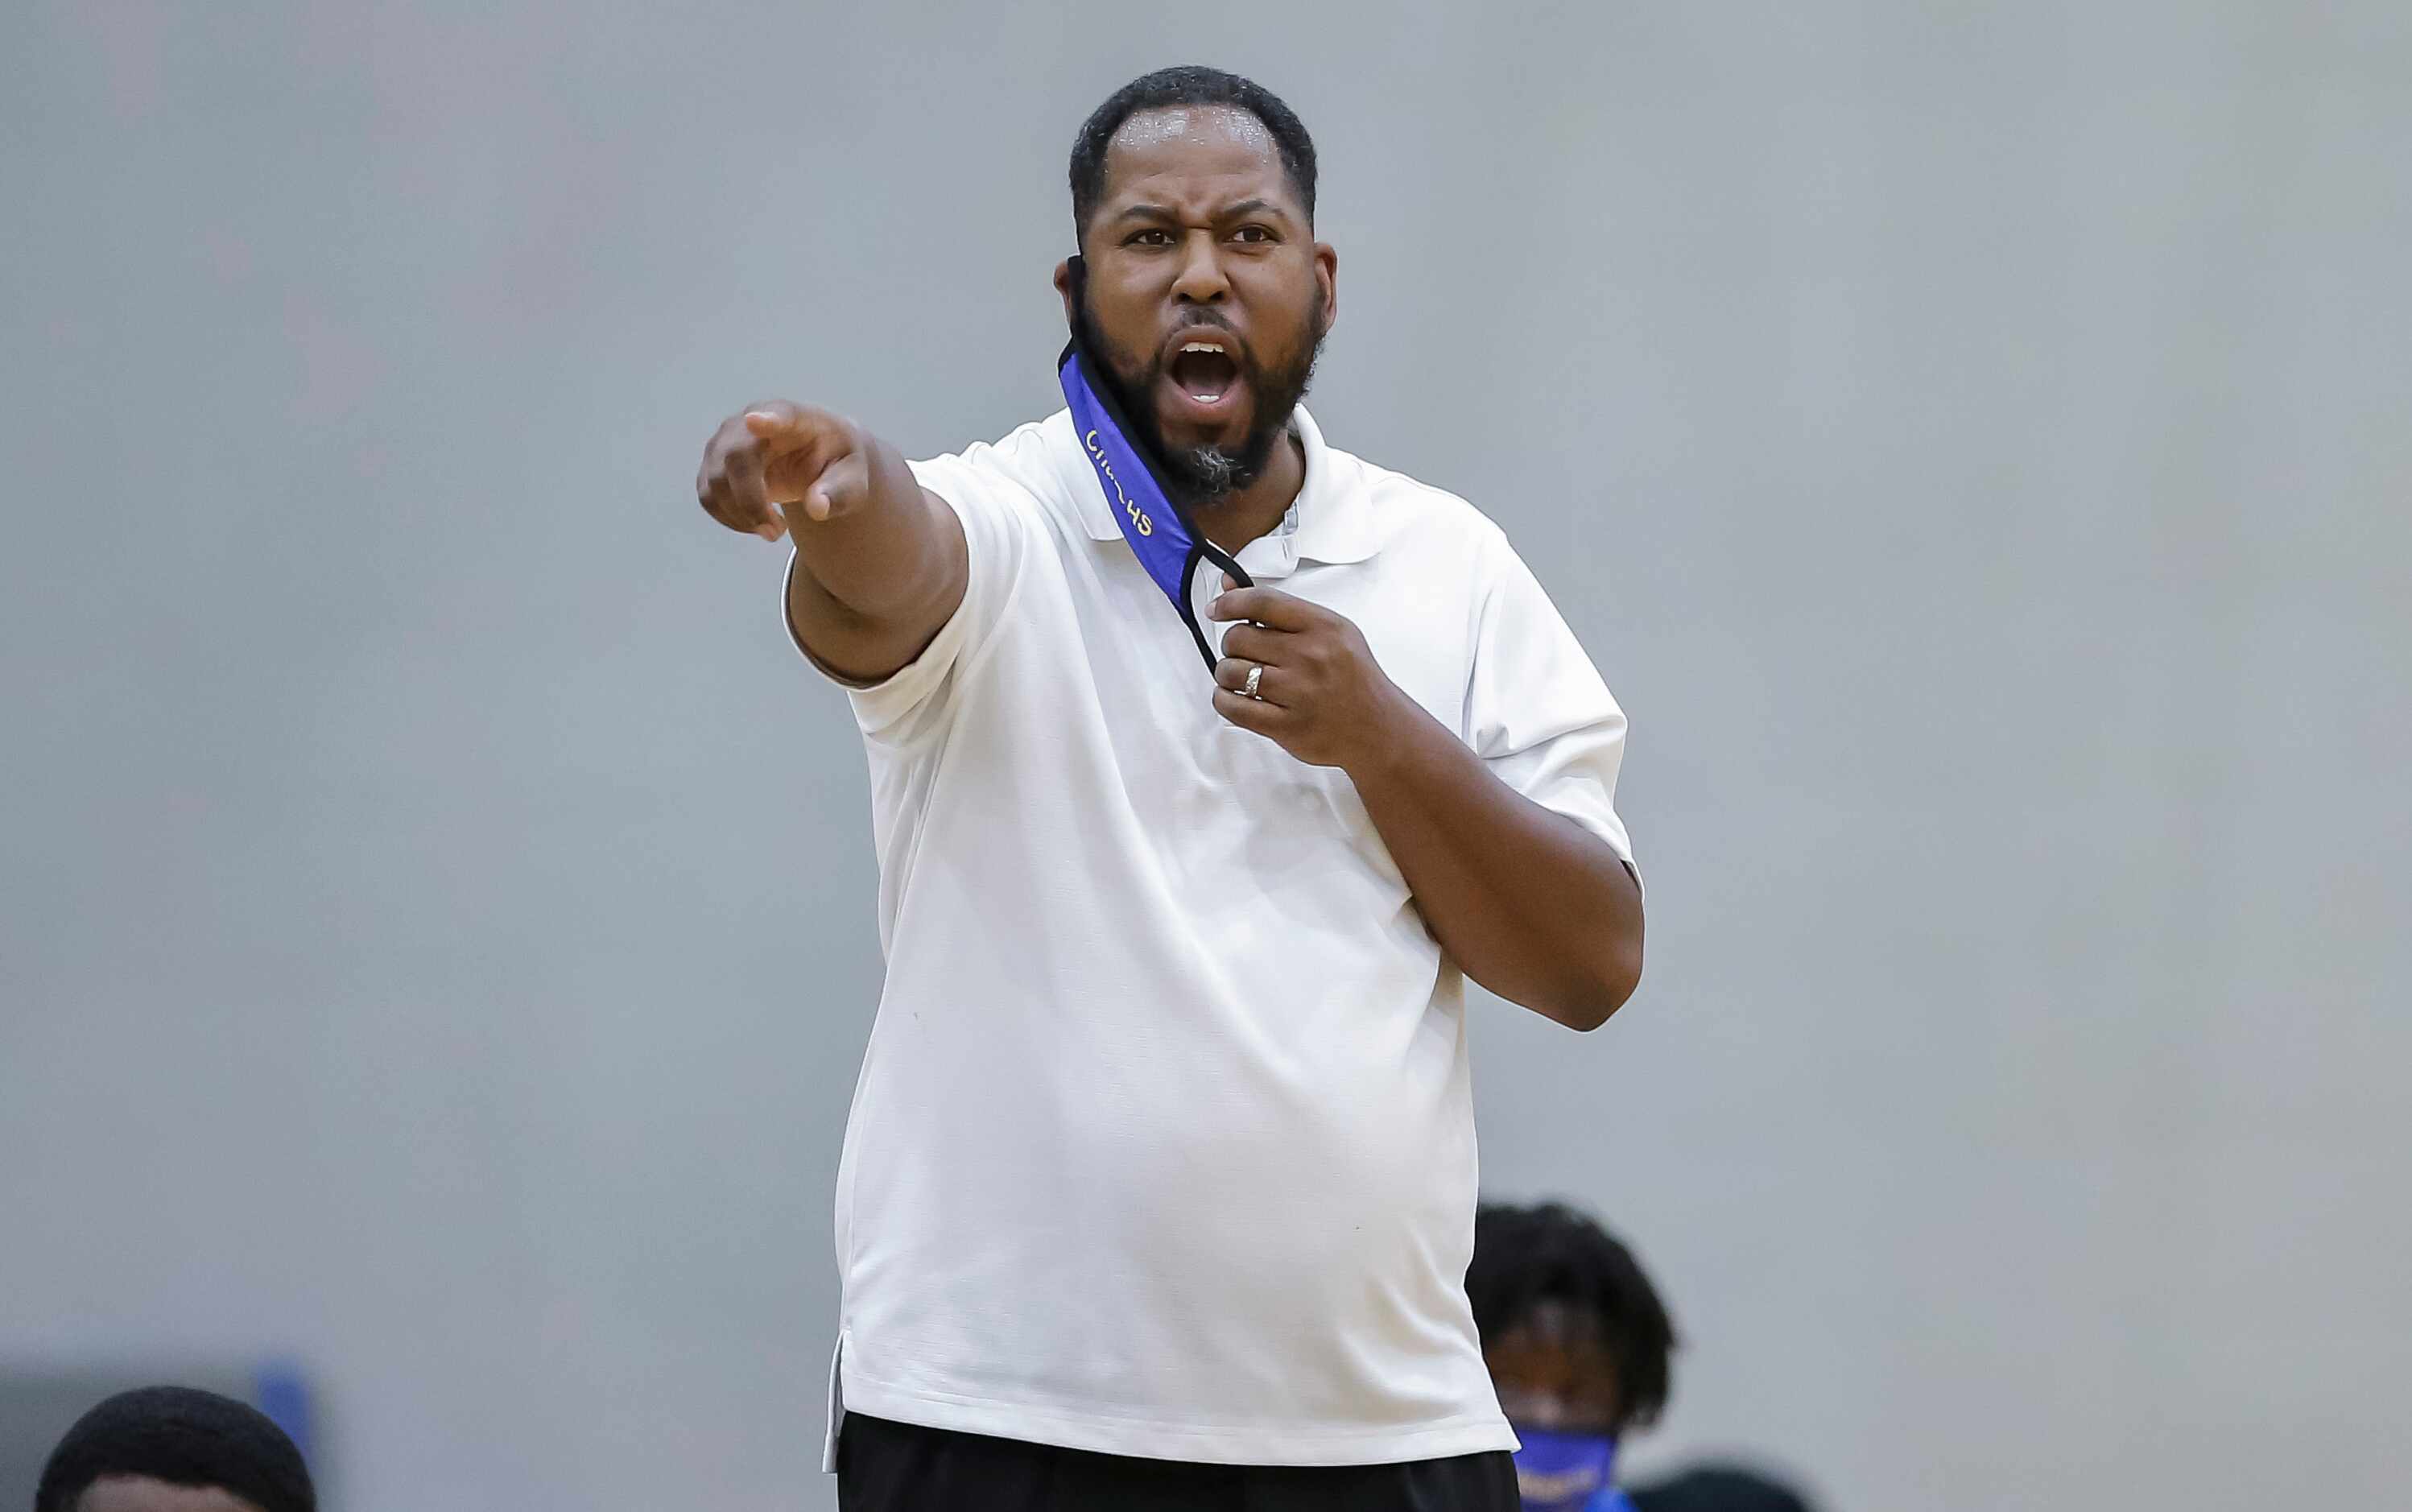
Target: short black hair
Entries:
(1188, 84)
(184, 1437)
(1525, 1256)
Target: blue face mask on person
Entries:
(1559, 1472)
(1187, 566)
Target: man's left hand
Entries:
(1319, 696)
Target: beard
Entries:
(1208, 474)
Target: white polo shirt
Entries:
(1164, 1143)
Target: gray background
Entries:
(436, 908)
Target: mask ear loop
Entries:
(1200, 549)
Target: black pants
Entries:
(886, 1466)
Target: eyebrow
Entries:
(1165, 213)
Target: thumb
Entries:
(842, 488)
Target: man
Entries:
(167, 1448)
(1577, 1341)
(1159, 1182)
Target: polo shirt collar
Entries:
(1334, 521)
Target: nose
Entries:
(1201, 280)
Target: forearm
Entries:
(1528, 902)
(875, 581)
(883, 556)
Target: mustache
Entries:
(1203, 317)
(1194, 321)
(1149, 363)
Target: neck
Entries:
(1235, 520)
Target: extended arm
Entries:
(881, 561)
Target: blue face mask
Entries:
(1187, 565)
(1563, 1472)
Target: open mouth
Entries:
(1203, 372)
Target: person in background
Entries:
(169, 1448)
(1578, 1343)
(1719, 1488)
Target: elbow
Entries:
(1613, 969)
(1608, 987)
(1586, 1015)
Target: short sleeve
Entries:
(1537, 712)
(916, 699)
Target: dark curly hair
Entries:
(184, 1437)
(1188, 84)
(1525, 1257)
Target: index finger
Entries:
(788, 425)
(1268, 607)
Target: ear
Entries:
(1327, 279)
(1064, 287)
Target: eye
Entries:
(1154, 236)
(1253, 234)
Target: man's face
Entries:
(141, 1493)
(1552, 1371)
(1200, 241)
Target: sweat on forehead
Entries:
(1204, 124)
(1216, 140)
